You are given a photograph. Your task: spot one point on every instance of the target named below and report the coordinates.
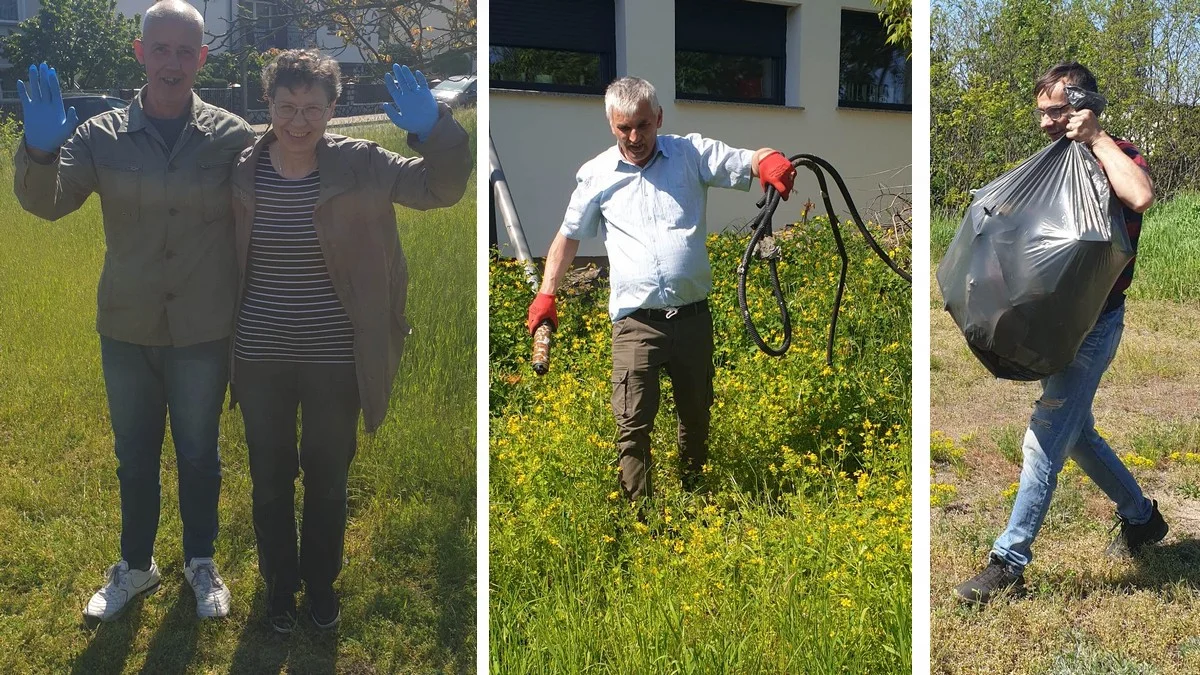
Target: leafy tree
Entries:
(225, 68)
(897, 19)
(415, 32)
(88, 42)
(985, 56)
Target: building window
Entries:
(730, 50)
(552, 45)
(264, 27)
(874, 74)
(9, 11)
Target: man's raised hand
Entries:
(777, 171)
(1083, 126)
(47, 126)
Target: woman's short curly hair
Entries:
(299, 69)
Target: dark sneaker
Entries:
(281, 611)
(1132, 538)
(324, 608)
(996, 578)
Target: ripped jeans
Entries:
(1062, 426)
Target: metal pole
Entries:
(508, 214)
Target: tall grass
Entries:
(408, 585)
(796, 557)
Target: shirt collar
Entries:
(659, 149)
(137, 119)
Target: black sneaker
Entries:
(281, 612)
(1130, 540)
(324, 608)
(996, 578)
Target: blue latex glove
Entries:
(413, 107)
(47, 127)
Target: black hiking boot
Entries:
(1132, 538)
(996, 578)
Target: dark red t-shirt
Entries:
(1133, 225)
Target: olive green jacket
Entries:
(169, 276)
(356, 227)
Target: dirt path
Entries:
(1155, 377)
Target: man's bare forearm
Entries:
(1129, 181)
(562, 252)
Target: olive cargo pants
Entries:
(644, 345)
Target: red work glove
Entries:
(542, 309)
(775, 170)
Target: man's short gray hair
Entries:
(173, 9)
(626, 93)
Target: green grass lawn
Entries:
(408, 587)
(1085, 614)
(797, 558)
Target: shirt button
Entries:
(173, 211)
(170, 297)
(170, 254)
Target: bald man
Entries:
(167, 290)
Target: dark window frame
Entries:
(733, 28)
(869, 105)
(573, 27)
(607, 73)
(15, 7)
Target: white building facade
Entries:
(801, 77)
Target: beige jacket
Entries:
(356, 227)
(168, 276)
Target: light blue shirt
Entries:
(651, 218)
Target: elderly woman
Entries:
(321, 323)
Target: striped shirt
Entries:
(290, 311)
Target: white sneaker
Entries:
(212, 596)
(123, 585)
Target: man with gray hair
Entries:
(645, 197)
(167, 291)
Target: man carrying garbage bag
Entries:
(1062, 424)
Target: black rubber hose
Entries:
(761, 229)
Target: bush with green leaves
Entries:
(985, 56)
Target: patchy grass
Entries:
(409, 583)
(1085, 613)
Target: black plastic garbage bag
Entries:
(1028, 272)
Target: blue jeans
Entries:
(1062, 426)
(144, 385)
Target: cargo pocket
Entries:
(215, 193)
(620, 394)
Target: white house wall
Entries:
(542, 139)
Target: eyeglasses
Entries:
(312, 113)
(1055, 114)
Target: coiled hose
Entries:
(762, 244)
